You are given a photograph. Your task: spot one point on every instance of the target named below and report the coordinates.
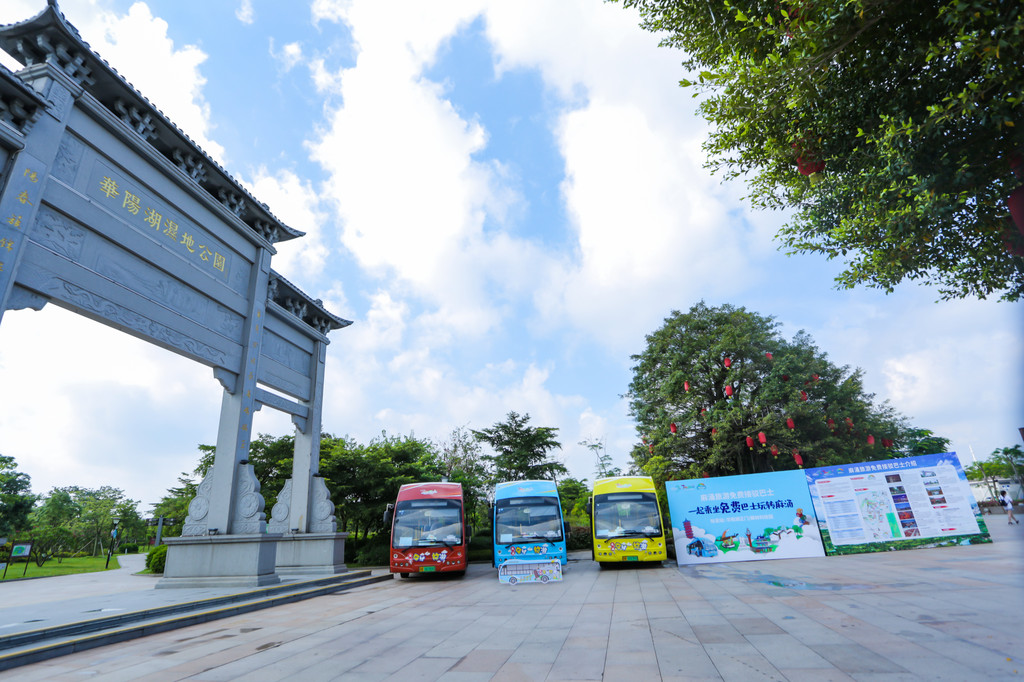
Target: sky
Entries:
(505, 199)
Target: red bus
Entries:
(428, 529)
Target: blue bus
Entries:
(528, 523)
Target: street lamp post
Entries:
(113, 541)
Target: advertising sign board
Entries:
(921, 501)
(743, 518)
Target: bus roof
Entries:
(517, 488)
(620, 483)
(418, 491)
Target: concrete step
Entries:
(46, 643)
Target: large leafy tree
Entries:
(364, 479)
(719, 391)
(521, 452)
(459, 458)
(74, 519)
(890, 127)
(16, 498)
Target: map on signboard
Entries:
(877, 513)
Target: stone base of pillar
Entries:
(221, 561)
(311, 554)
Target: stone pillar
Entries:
(228, 500)
(29, 168)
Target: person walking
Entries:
(1007, 503)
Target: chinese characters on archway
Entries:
(182, 236)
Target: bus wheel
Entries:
(512, 580)
(458, 574)
(403, 575)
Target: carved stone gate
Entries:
(109, 210)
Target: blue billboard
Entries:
(743, 518)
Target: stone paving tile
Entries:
(755, 626)
(854, 658)
(522, 672)
(814, 675)
(741, 662)
(630, 673)
(578, 664)
(426, 669)
(483, 660)
(785, 651)
(718, 634)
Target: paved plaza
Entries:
(930, 614)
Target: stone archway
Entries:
(107, 209)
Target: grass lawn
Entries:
(65, 567)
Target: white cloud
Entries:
(245, 12)
(296, 203)
(290, 56)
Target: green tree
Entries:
(889, 127)
(173, 506)
(573, 495)
(604, 460)
(364, 479)
(271, 459)
(459, 458)
(16, 498)
(719, 391)
(53, 524)
(521, 451)
(923, 442)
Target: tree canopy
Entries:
(521, 451)
(16, 498)
(719, 391)
(890, 127)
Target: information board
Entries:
(743, 518)
(922, 501)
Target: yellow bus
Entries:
(625, 520)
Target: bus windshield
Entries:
(525, 519)
(626, 515)
(422, 523)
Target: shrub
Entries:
(129, 548)
(579, 538)
(156, 558)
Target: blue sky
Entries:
(504, 197)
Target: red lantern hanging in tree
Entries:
(707, 475)
(831, 423)
(750, 442)
(803, 395)
(703, 410)
(790, 423)
(871, 439)
(727, 362)
(769, 356)
(849, 422)
(686, 386)
(785, 377)
(775, 450)
(728, 391)
(815, 377)
(713, 431)
(672, 428)
(762, 438)
(797, 458)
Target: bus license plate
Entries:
(427, 569)
(632, 558)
